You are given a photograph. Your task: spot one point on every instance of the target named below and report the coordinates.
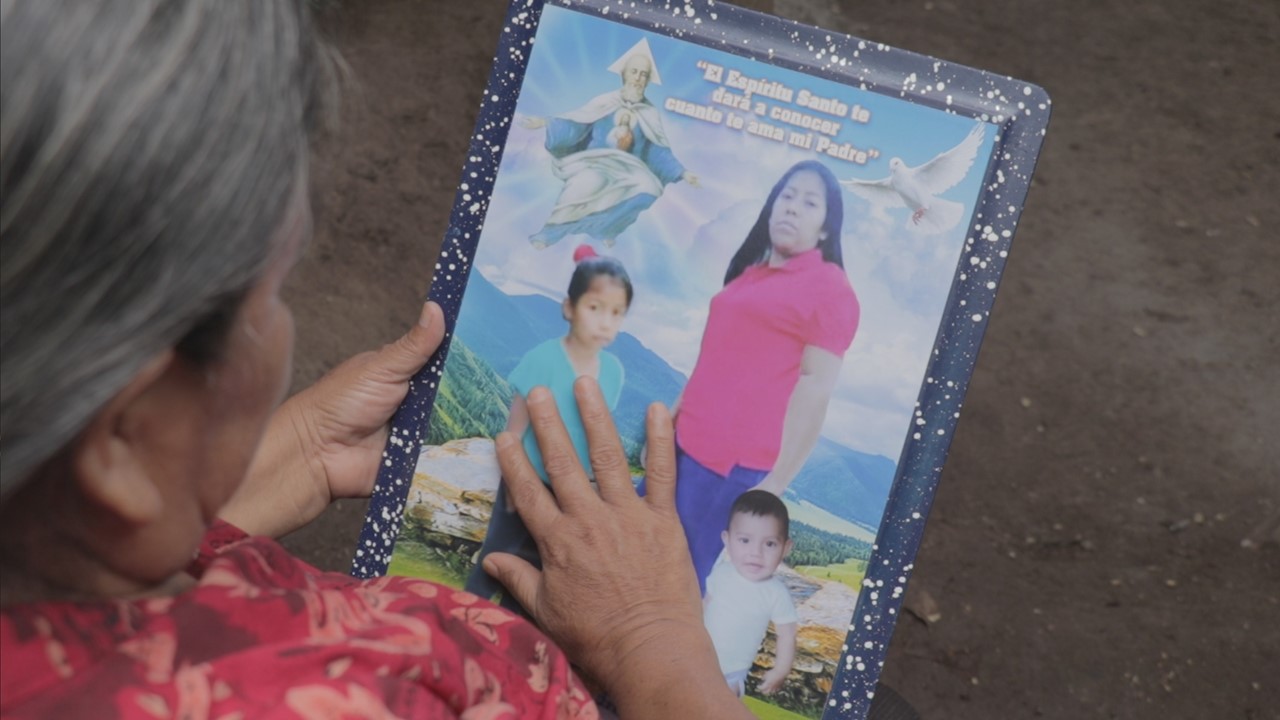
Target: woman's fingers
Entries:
(616, 585)
(520, 578)
(402, 359)
(608, 461)
(660, 462)
(559, 457)
(530, 497)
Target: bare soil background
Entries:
(1119, 438)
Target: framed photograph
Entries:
(790, 236)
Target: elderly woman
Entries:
(154, 172)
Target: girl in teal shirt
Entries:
(599, 296)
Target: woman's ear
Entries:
(566, 310)
(113, 459)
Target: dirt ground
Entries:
(1120, 435)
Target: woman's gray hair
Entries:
(149, 151)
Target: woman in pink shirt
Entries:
(771, 353)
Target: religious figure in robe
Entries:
(613, 156)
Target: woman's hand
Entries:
(617, 589)
(343, 418)
(326, 442)
(806, 411)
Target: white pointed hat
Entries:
(640, 48)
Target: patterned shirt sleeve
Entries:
(265, 635)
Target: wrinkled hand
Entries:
(343, 418)
(326, 442)
(617, 589)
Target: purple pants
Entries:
(703, 500)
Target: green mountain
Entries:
(493, 332)
(844, 482)
(472, 400)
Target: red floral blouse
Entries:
(264, 635)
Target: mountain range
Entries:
(493, 332)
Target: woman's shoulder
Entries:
(830, 282)
(834, 310)
(830, 272)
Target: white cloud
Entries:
(867, 428)
(678, 250)
(673, 332)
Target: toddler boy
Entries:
(743, 595)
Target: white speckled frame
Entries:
(1017, 110)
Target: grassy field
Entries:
(765, 711)
(413, 559)
(849, 572)
(811, 514)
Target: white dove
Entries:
(917, 187)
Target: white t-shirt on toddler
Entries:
(738, 612)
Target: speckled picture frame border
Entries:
(1018, 109)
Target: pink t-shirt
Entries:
(732, 409)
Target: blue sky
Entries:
(677, 251)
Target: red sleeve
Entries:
(835, 312)
(220, 536)
(264, 635)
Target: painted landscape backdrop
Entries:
(474, 399)
(835, 502)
